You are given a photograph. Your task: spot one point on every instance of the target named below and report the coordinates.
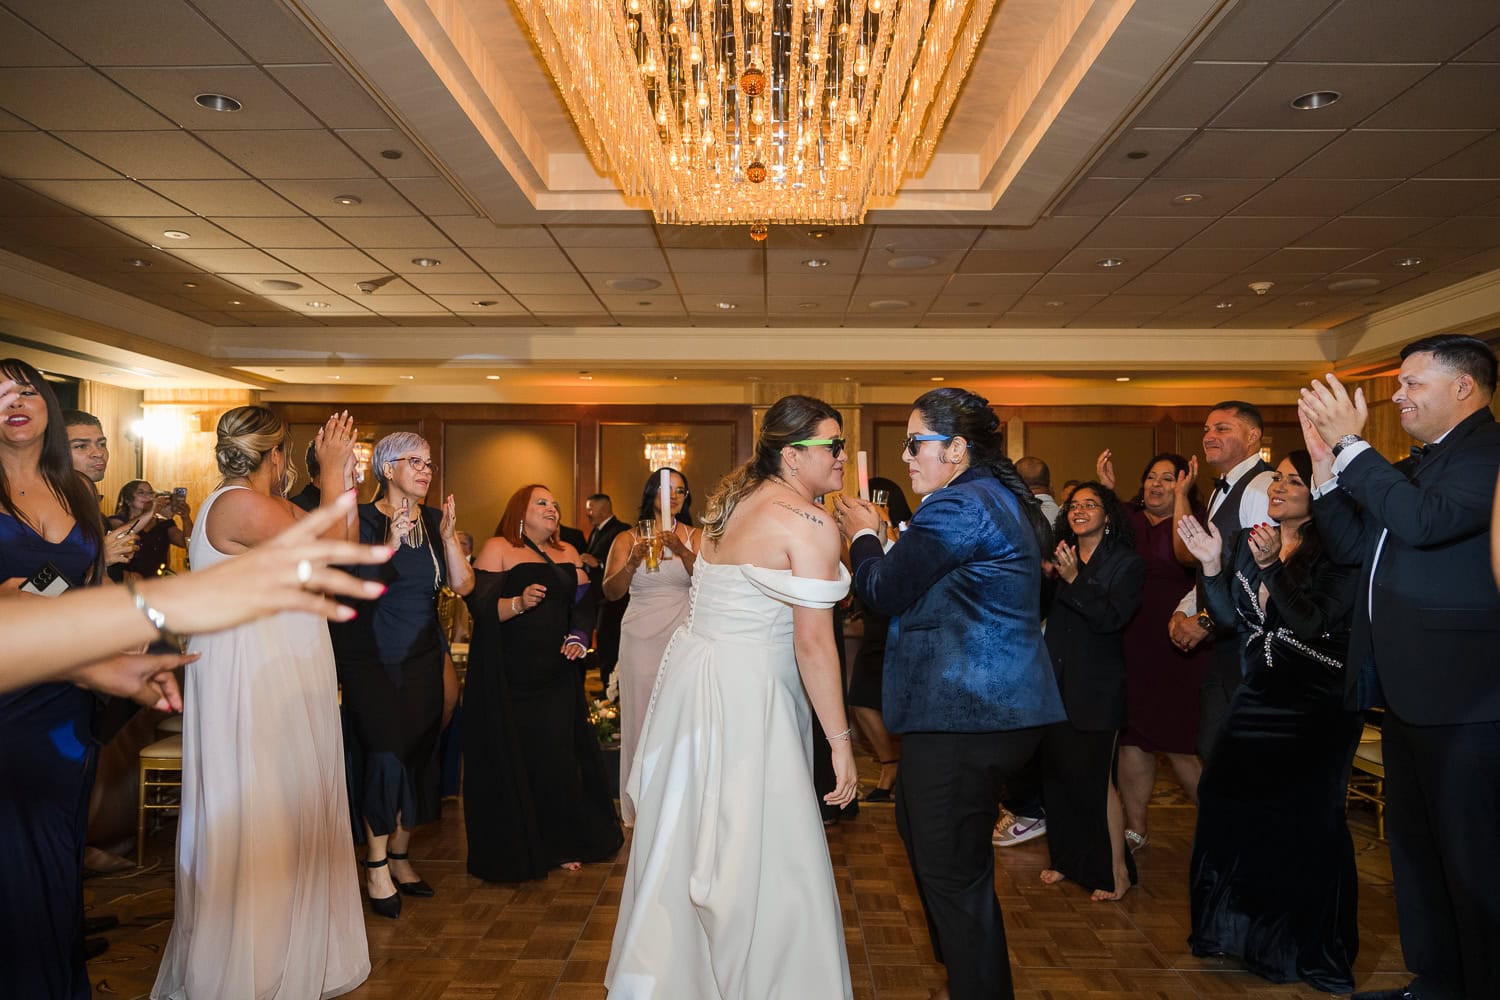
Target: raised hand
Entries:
(674, 542)
(1185, 481)
(1066, 561)
(402, 521)
(1104, 469)
(9, 392)
(449, 524)
(854, 515)
(1265, 544)
(1331, 410)
(120, 545)
(335, 446)
(1207, 546)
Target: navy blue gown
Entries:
(47, 761)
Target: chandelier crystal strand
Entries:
(735, 111)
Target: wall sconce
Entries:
(665, 451)
(162, 427)
(1265, 454)
(363, 452)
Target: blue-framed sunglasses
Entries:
(835, 445)
(914, 441)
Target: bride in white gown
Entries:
(729, 894)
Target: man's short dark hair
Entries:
(1248, 412)
(75, 418)
(1034, 472)
(600, 496)
(313, 468)
(1465, 355)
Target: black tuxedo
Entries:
(1428, 652)
(607, 632)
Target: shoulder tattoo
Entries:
(815, 519)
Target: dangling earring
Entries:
(792, 470)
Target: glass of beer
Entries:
(648, 532)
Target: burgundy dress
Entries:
(1161, 682)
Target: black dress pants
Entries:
(947, 797)
(1442, 811)
(1220, 681)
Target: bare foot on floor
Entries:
(1051, 876)
(571, 866)
(1122, 886)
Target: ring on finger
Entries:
(304, 572)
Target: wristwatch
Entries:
(1205, 621)
(1344, 442)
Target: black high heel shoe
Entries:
(390, 906)
(418, 888)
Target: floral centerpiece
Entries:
(604, 716)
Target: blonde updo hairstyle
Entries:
(246, 435)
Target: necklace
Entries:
(782, 482)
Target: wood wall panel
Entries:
(623, 470)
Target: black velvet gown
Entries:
(535, 790)
(1273, 878)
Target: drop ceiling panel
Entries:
(1079, 284)
(408, 305)
(370, 144)
(376, 197)
(501, 304)
(1205, 260)
(1473, 232)
(1260, 30)
(303, 154)
(73, 98)
(255, 284)
(1180, 285)
(268, 31)
(332, 95)
(646, 304)
(331, 261)
(908, 238)
(471, 231)
(23, 45)
(1299, 261)
(793, 261)
(154, 155)
(1197, 92)
(1266, 103)
(403, 260)
(116, 259)
(1216, 197)
(1352, 231)
(1248, 153)
(1487, 49)
(388, 232)
(454, 284)
(828, 285)
(431, 195)
(74, 231)
(277, 233)
(537, 260)
(716, 261)
(1125, 232)
(980, 285)
(348, 284)
(1138, 305)
(1426, 258)
(1317, 198)
(723, 284)
(600, 280)
(242, 261)
(202, 235)
(884, 286)
(606, 238)
(704, 237)
(991, 305)
(1046, 234)
(172, 90)
(1482, 159)
(547, 284)
(1011, 261)
(1424, 197)
(10, 123)
(1072, 303)
(927, 262)
(1096, 196)
(1268, 233)
(1395, 31)
(1380, 153)
(106, 197)
(27, 155)
(1086, 261)
(1454, 96)
(641, 258)
(556, 304)
(333, 305)
(1140, 151)
(226, 198)
(140, 33)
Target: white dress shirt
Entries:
(1255, 508)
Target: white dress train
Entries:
(729, 894)
(268, 901)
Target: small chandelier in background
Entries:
(755, 111)
(666, 451)
(364, 451)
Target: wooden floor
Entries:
(550, 940)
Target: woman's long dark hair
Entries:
(123, 501)
(648, 510)
(790, 418)
(1117, 527)
(1310, 550)
(72, 490)
(961, 413)
(1138, 502)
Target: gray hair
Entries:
(390, 448)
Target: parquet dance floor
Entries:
(550, 940)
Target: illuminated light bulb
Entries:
(702, 98)
(758, 117)
(695, 55)
(631, 27)
(875, 6)
(634, 6)
(820, 4)
(853, 116)
(753, 6)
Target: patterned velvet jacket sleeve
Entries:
(941, 536)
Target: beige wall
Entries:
(623, 469)
(116, 409)
(304, 434)
(484, 463)
(1072, 450)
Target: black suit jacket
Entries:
(600, 541)
(1085, 635)
(573, 537)
(1429, 649)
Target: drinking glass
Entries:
(647, 531)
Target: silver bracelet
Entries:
(839, 736)
(516, 608)
(158, 620)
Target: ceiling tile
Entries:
(72, 231)
(934, 320)
(1155, 283)
(643, 258)
(818, 284)
(558, 304)
(546, 284)
(1427, 257)
(1239, 284)
(403, 260)
(1260, 30)
(27, 155)
(402, 304)
(331, 261)
(902, 239)
(1480, 160)
(1073, 303)
(154, 155)
(1350, 231)
(1312, 197)
(348, 284)
(1380, 153)
(1095, 196)
(107, 197)
(140, 33)
(333, 305)
(302, 154)
(1085, 261)
(389, 232)
(1463, 232)
(17, 200)
(503, 304)
(1203, 260)
(598, 238)
(471, 231)
(684, 261)
(723, 284)
(10, 123)
(1215, 197)
(1137, 304)
(1249, 153)
(171, 90)
(431, 195)
(23, 45)
(1297, 260)
(1395, 31)
(644, 303)
(988, 304)
(1010, 261)
(1196, 92)
(884, 303)
(239, 261)
(1454, 96)
(454, 284)
(73, 98)
(331, 94)
(1252, 232)
(1045, 234)
(370, 144)
(910, 263)
(535, 260)
(255, 284)
(225, 198)
(376, 197)
(202, 235)
(979, 285)
(1079, 284)
(600, 280)
(1139, 152)
(876, 286)
(705, 237)
(1267, 102)
(292, 233)
(1124, 231)
(1487, 49)
(114, 259)
(1436, 197)
(793, 260)
(268, 31)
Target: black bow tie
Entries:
(1221, 485)
(1421, 451)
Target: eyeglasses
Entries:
(914, 441)
(678, 492)
(1084, 505)
(418, 463)
(835, 446)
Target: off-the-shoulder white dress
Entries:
(729, 894)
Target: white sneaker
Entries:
(1019, 830)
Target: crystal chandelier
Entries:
(665, 451)
(758, 111)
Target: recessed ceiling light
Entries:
(106, 374)
(1224, 304)
(391, 154)
(278, 369)
(817, 234)
(484, 303)
(1109, 261)
(752, 378)
(1137, 154)
(1315, 100)
(235, 302)
(1407, 261)
(1305, 303)
(807, 305)
(643, 302)
(633, 284)
(176, 234)
(189, 284)
(137, 262)
(815, 262)
(585, 376)
(973, 305)
(347, 199)
(1122, 378)
(426, 261)
(727, 306)
(280, 285)
(493, 378)
(316, 304)
(887, 305)
(1054, 303)
(217, 102)
(408, 377)
(335, 377)
(1353, 284)
(1187, 199)
(936, 378)
(911, 262)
